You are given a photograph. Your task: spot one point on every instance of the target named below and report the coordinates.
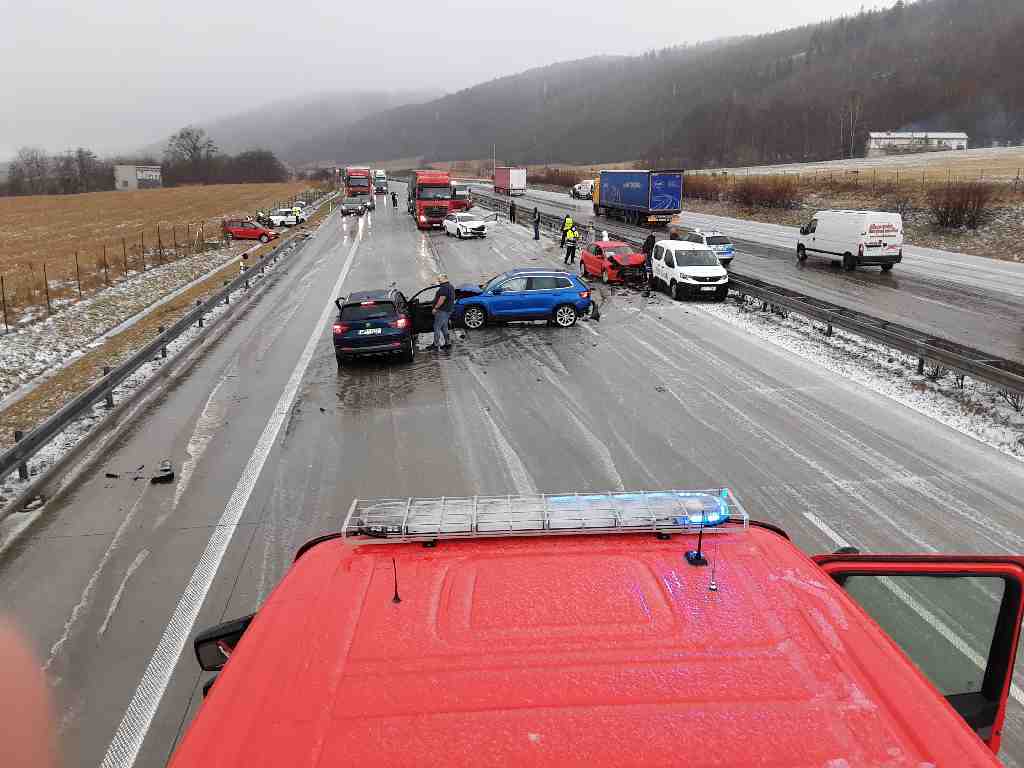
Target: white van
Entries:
(688, 270)
(583, 191)
(857, 237)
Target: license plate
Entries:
(707, 287)
(369, 331)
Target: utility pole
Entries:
(494, 160)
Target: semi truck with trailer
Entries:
(639, 197)
(357, 182)
(510, 181)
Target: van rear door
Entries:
(958, 618)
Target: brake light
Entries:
(584, 294)
(367, 303)
(340, 328)
(402, 322)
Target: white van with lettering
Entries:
(859, 238)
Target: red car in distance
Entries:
(612, 261)
(246, 229)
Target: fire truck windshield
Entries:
(434, 193)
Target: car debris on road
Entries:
(165, 473)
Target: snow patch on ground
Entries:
(978, 409)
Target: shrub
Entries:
(776, 191)
(704, 186)
(960, 204)
(558, 177)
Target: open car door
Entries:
(421, 308)
(958, 618)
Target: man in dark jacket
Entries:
(648, 249)
(512, 212)
(536, 223)
(444, 303)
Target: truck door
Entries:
(958, 618)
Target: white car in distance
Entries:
(469, 224)
(287, 217)
(688, 270)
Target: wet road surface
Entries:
(656, 395)
(968, 299)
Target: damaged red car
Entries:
(612, 261)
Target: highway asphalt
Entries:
(657, 395)
(972, 300)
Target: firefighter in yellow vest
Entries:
(567, 224)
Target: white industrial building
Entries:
(137, 177)
(882, 143)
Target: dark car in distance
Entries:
(352, 206)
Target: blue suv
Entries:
(524, 294)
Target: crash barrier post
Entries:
(1005, 374)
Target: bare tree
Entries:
(192, 148)
(86, 167)
(35, 166)
(65, 172)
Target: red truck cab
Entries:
(595, 630)
(430, 197)
(462, 199)
(358, 182)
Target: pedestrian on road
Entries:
(394, 200)
(536, 223)
(570, 245)
(567, 224)
(648, 250)
(512, 212)
(444, 302)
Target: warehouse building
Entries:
(881, 143)
(137, 177)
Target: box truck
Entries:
(510, 181)
(639, 197)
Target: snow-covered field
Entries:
(977, 409)
(44, 346)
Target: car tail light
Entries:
(340, 328)
(584, 294)
(402, 322)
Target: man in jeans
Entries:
(444, 302)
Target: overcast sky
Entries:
(119, 74)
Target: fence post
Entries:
(198, 303)
(110, 395)
(78, 275)
(3, 298)
(163, 349)
(46, 286)
(227, 294)
(124, 253)
(23, 467)
(159, 244)
(174, 236)
(106, 271)
(142, 248)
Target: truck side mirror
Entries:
(214, 646)
(803, 230)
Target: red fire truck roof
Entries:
(570, 651)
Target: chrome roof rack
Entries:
(560, 514)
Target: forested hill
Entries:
(787, 96)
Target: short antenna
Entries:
(394, 566)
(696, 556)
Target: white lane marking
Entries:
(930, 618)
(139, 558)
(131, 733)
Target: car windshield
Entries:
(718, 240)
(493, 282)
(368, 310)
(702, 257)
(434, 193)
(358, 181)
(460, 193)
(617, 250)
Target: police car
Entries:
(717, 241)
(592, 629)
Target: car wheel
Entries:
(722, 294)
(887, 267)
(458, 233)
(264, 238)
(848, 262)
(409, 355)
(801, 253)
(565, 316)
(474, 317)
(583, 269)
(677, 291)
(340, 358)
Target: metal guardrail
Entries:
(1002, 373)
(31, 443)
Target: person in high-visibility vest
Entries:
(567, 224)
(570, 245)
